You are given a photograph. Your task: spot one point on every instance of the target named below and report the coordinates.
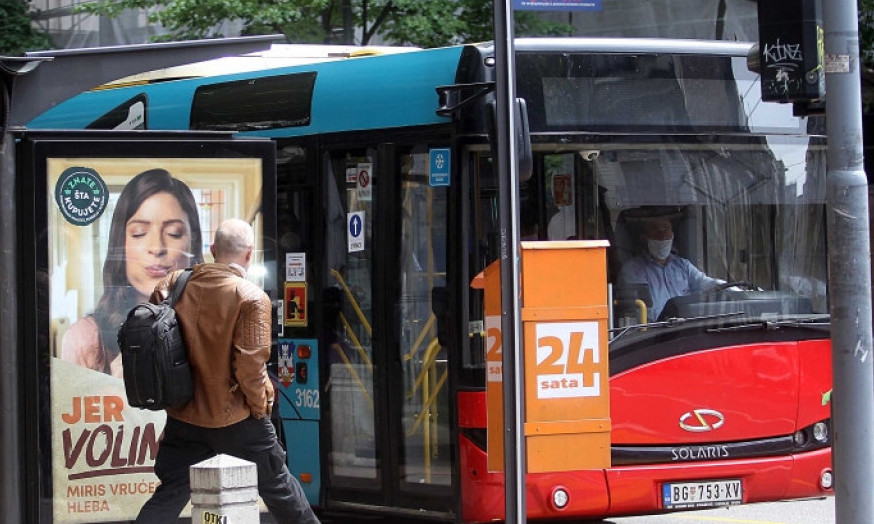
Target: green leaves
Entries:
(424, 23)
(17, 34)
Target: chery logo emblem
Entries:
(700, 420)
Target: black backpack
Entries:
(153, 354)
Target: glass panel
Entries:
(254, 103)
(560, 198)
(422, 306)
(483, 250)
(571, 91)
(350, 204)
(692, 19)
(161, 214)
(738, 212)
(749, 210)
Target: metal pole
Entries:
(11, 443)
(11, 403)
(849, 271)
(508, 210)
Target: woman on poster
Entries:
(155, 229)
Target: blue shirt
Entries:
(676, 278)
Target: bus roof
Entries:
(278, 55)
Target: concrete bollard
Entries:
(224, 490)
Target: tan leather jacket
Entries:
(225, 321)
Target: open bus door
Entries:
(90, 454)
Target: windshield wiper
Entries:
(817, 322)
(671, 322)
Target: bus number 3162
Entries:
(307, 398)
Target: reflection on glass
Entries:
(746, 210)
(422, 313)
(348, 295)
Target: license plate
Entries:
(702, 494)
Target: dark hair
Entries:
(118, 293)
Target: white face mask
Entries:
(659, 249)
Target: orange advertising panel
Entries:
(490, 279)
(564, 321)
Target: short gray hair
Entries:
(233, 237)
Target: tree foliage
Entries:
(428, 23)
(17, 33)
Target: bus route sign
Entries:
(557, 5)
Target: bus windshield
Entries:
(741, 220)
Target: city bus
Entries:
(386, 216)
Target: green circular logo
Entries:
(81, 195)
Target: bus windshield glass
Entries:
(719, 230)
(640, 91)
(732, 228)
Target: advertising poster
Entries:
(115, 227)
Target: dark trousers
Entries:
(254, 440)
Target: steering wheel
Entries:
(736, 283)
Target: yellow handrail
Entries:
(432, 398)
(427, 363)
(641, 306)
(430, 389)
(351, 369)
(420, 338)
(357, 343)
(352, 302)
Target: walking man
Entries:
(225, 322)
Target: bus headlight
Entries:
(560, 498)
(820, 432)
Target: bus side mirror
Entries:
(524, 156)
(523, 141)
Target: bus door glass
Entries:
(387, 361)
(423, 306)
(347, 298)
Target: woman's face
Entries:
(157, 241)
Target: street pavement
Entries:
(809, 511)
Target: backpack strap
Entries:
(179, 286)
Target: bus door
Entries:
(384, 268)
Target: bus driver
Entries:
(666, 274)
